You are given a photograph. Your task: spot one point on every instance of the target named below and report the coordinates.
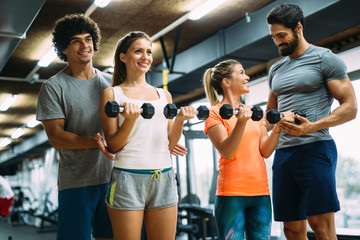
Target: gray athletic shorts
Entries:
(132, 189)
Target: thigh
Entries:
(75, 213)
(126, 224)
(161, 223)
(258, 218)
(230, 217)
(102, 225)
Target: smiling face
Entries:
(80, 49)
(239, 81)
(284, 38)
(139, 56)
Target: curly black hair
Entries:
(71, 25)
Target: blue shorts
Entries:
(236, 215)
(304, 181)
(82, 211)
(132, 189)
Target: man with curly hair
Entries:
(68, 107)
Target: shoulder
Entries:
(103, 75)
(55, 82)
(330, 62)
(214, 111)
(324, 53)
(108, 91)
(167, 95)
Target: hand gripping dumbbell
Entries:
(170, 111)
(226, 112)
(273, 116)
(112, 109)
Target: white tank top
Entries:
(147, 146)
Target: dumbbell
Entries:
(112, 109)
(170, 111)
(273, 116)
(226, 112)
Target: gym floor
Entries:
(25, 232)
(22, 232)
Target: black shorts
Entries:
(304, 181)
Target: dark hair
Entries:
(213, 79)
(71, 25)
(119, 75)
(287, 14)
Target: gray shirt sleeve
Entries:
(333, 67)
(49, 102)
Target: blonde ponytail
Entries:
(213, 77)
(209, 90)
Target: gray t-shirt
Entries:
(77, 101)
(300, 85)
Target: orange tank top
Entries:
(245, 173)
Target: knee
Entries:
(323, 226)
(321, 232)
(294, 233)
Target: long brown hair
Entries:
(119, 75)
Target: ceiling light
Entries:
(205, 9)
(5, 142)
(102, 3)
(247, 17)
(48, 58)
(7, 103)
(17, 133)
(32, 123)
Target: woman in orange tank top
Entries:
(242, 203)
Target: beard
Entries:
(291, 46)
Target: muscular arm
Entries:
(59, 138)
(343, 91)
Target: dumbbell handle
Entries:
(196, 111)
(226, 110)
(297, 121)
(202, 112)
(112, 109)
(122, 109)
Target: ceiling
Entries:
(25, 36)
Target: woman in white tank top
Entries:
(142, 146)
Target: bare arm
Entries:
(271, 104)
(343, 91)
(59, 138)
(227, 145)
(269, 143)
(116, 136)
(175, 127)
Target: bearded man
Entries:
(308, 79)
